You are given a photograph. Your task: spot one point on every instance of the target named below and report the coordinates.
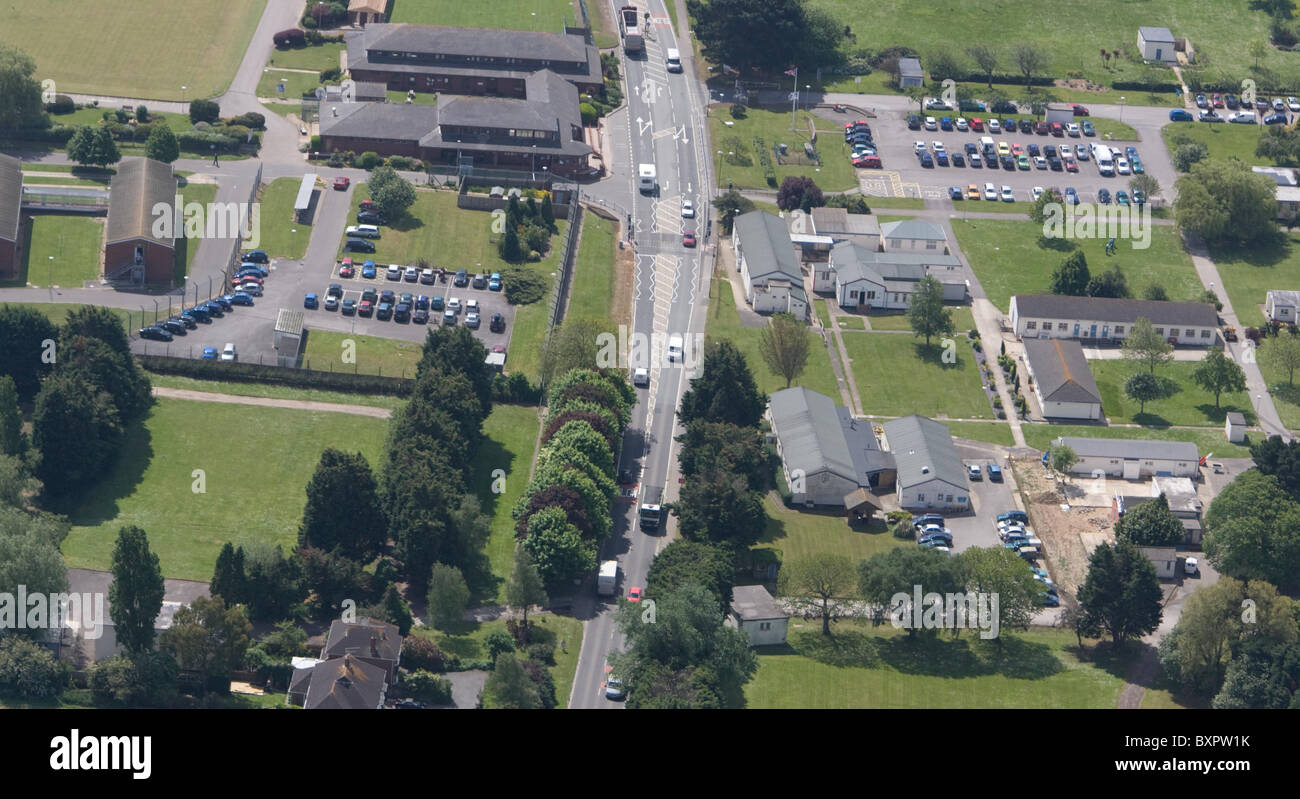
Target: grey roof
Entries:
(1151, 34)
(868, 457)
(909, 67)
(1061, 370)
(446, 40)
(898, 270)
(346, 683)
(1282, 176)
(139, 185)
(552, 103)
(913, 229)
(369, 90)
(838, 221)
(289, 322)
(305, 189)
(11, 196)
(1284, 297)
(1237, 418)
(920, 443)
(364, 638)
(767, 248)
(393, 121)
(1130, 448)
(809, 430)
(1105, 309)
(754, 603)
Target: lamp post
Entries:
(1121, 109)
(50, 282)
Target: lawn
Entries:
(324, 350)
(1012, 257)
(895, 380)
(151, 485)
(1249, 272)
(510, 438)
(274, 392)
(592, 286)
(1286, 399)
(800, 534)
(879, 667)
(521, 15)
(962, 320)
(135, 48)
(744, 168)
(819, 306)
(318, 57)
(63, 251)
(57, 312)
(903, 203)
(990, 432)
(1041, 436)
(281, 236)
(296, 84)
(724, 323)
(1222, 140)
(1192, 405)
(202, 193)
(851, 323)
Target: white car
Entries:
(1007, 195)
(471, 305)
(974, 160)
(990, 191)
(1072, 129)
(1242, 117)
(453, 304)
(938, 146)
(641, 378)
(688, 210)
(228, 353)
(1122, 167)
(1278, 105)
(1038, 192)
(412, 274)
(919, 146)
(1293, 104)
(1081, 153)
(1066, 151)
(931, 123)
(394, 272)
(1040, 162)
(993, 126)
(963, 125)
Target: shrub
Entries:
(541, 652)
(276, 375)
(331, 74)
(369, 160)
(420, 653)
(63, 104)
(402, 162)
(29, 669)
(498, 641)
(523, 286)
(252, 119)
(739, 111)
(291, 37)
(514, 389)
(315, 142)
(588, 112)
(204, 111)
(427, 687)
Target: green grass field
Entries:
(1190, 406)
(135, 48)
(318, 57)
(592, 286)
(521, 15)
(1011, 257)
(274, 392)
(510, 438)
(894, 380)
(1222, 140)
(962, 319)
(724, 323)
(151, 484)
(1249, 272)
(57, 312)
(851, 323)
(835, 174)
(798, 534)
(63, 251)
(901, 203)
(1286, 398)
(281, 236)
(865, 667)
(991, 432)
(325, 350)
(296, 84)
(1041, 436)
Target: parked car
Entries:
(435, 303)
(348, 307)
(310, 301)
(1211, 116)
(371, 217)
(1216, 100)
(462, 278)
(224, 302)
(214, 308)
(941, 158)
(1275, 119)
(1230, 100)
(1201, 102)
(688, 237)
(358, 245)
(155, 333)
(1007, 196)
(1103, 196)
(366, 308)
(402, 312)
(384, 311)
(913, 122)
(411, 274)
(427, 277)
(1025, 126)
(228, 352)
(449, 317)
(187, 321)
(472, 321)
(994, 126)
(497, 324)
(931, 123)
(990, 191)
(1088, 129)
(1072, 195)
(927, 160)
(995, 472)
(1242, 118)
(420, 316)
(974, 471)
(209, 353)
(954, 192)
(1121, 197)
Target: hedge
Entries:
(277, 375)
(515, 389)
(58, 134)
(1144, 86)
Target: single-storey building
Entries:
(914, 234)
(132, 247)
(825, 452)
(841, 225)
(303, 202)
(364, 12)
(1104, 319)
(1132, 459)
(910, 72)
(1184, 504)
(88, 638)
(863, 277)
(767, 264)
(344, 683)
(1165, 559)
(1062, 380)
(288, 336)
(11, 214)
(1288, 190)
(930, 475)
(1235, 427)
(1282, 306)
(1156, 44)
(755, 613)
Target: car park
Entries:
(155, 333)
(310, 301)
(497, 324)
(358, 245)
(228, 352)
(209, 353)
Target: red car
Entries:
(1217, 101)
(251, 279)
(1079, 111)
(1058, 129)
(688, 238)
(976, 123)
(347, 270)
(1071, 165)
(341, 184)
(634, 594)
(1017, 150)
(365, 308)
(867, 162)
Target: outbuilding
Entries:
(1060, 112)
(1165, 559)
(910, 72)
(1235, 427)
(288, 336)
(133, 247)
(1282, 306)
(1157, 44)
(755, 613)
(302, 205)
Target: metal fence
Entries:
(182, 350)
(569, 251)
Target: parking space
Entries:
(988, 498)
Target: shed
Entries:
(1157, 44)
(496, 361)
(754, 612)
(306, 192)
(1165, 559)
(288, 336)
(910, 72)
(11, 203)
(1235, 428)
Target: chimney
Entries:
(374, 647)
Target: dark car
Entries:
(359, 245)
(462, 278)
(402, 313)
(926, 160)
(370, 294)
(407, 298)
(435, 304)
(958, 159)
(421, 303)
(1275, 119)
(954, 192)
(1025, 125)
(480, 281)
(198, 312)
(941, 158)
(335, 290)
(214, 308)
(914, 122)
(1180, 115)
(497, 324)
(241, 298)
(1049, 150)
(1004, 107)
(1231, 101)
(224, 302)
(1103, 196)
(370, 218)
(348, 308)
(388, 296)
(420, 317)
(173, 327)
(383, 311)
(1055, 164)
(1262, 104)
(155, 333)
(1008, 163)
(188, 321)
(256, 257)
(1042, 128)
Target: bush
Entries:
(427, 687)
(402, 162)
(523, 286)
(63, 104)
(277, 375)
(290, 37)
(541, 653)
(903, 530)
(514, 389)
(588, 112)
(739, 111)
(368, 160)
(29, 669)
(498, 641)
(330, 75)
(204, 111)
(252, 119)
(419, 653)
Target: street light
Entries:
(1121, 109)
(50, 282)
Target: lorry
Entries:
(629, 25)
(607, 578)
(652, 512)
(647, 181)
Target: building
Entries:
(755, 613)
(825, 453)
(483, 61)
(930, 475)
(914, 234)
(1165, 559)
(840, 225)
(1184, 504)
(768, 266)
(1062, 380)
(302, 204)
(1109, 320)
(11, 214)
(84, 641)
(132, 249)
(364, 12)
(865, 278)
(910, 73)
(1235, 427)
(1132, 459)
(543, 133)
(344, 683)
(375, 642)
(288, 336)
(1288, 191)
(1282, 306)
(1157, 44)
(1060, 112)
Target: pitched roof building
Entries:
(372, 641)
(768, 266)
(1063, 382)
(133, 246)
(825, 452)
(11, 204)
(1107, 319)
(930, 472)
(345, 683)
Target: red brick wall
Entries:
(8, 260)
(159, 259)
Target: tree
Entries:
(28, 339)
(162, 145)
(1282, 354)
(548, 212)
(16, 482)
(799, 191)
(1110, 283)
(706, 564)
(81, 146)
(784, 345)
(557, 547)
(1146, 184)
(725, 391)
(427, 687)
(748, 34)
(1188, 153)
(508, 248)
(525, 588)
(11, 418)
(1217, 373)
(1000, 572)
(1144, 387)
(210, 638)
(229, 579)
(1264, 676)
(1029, 60)
(729, 206)
(944, 64)
(1146, 347)
(1151, 524)
(1258, 48)
(1121, 595)
(986, 59)
(573, 345)
(1062, 458)
(448, 596)
(29, 555)
(1281, 459)
(509, 687)
(720, 508)
(926, 314)
(92, 363)
(455, 350)
(815, 582)
(76, 430)
(1155, 292)
(103, 150)
(342, 509)
(21, 105)
(94, 321)
(1224, 201)
(1253, 530)
(885, 575)
(1278, 144)
(721, 447)
(204, 111)
(393, 193)
(136, 594)
(1072, 276)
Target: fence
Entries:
(561, 288)
(479, 202)
(180, 358)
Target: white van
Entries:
(674, 60)
(363, 231)
(987, 145)
(646, 174)
(675, 347)
(1105, 163)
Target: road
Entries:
(664, 114)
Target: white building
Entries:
(768, 267)
(887, 280)
(930, 473)
(1235, 427)
(1062, 380)
(1132, 459)
(825, 453)
(914, 234)
(288, 336)
(1060, 112)
(1109, 320)
(1282, 306)
(1288, 190)
(910, 72)
(754, 612)
(1156, 44)
(1165, 559)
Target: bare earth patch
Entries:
(1063, 532)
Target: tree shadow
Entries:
(1268, 250)
(1220, 414)
(1055, 243)
(930, 653)
(1149, 419)
(123, 478)
(406, 223)
(936, 354)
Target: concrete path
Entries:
(272, 402)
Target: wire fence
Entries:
(183, 350)
(568, 253)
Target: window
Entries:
(920, 497)
(767, 625)
(1060, 325)
(1160, 331)
(1119, 330)
(1031, 325)
(930, 245)
(871, 295)
(1189, 332)
(1205, 334)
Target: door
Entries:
(1159, 55)
(1076, 329)
(1092, 332)
(1105, 331)
(1132, 469)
